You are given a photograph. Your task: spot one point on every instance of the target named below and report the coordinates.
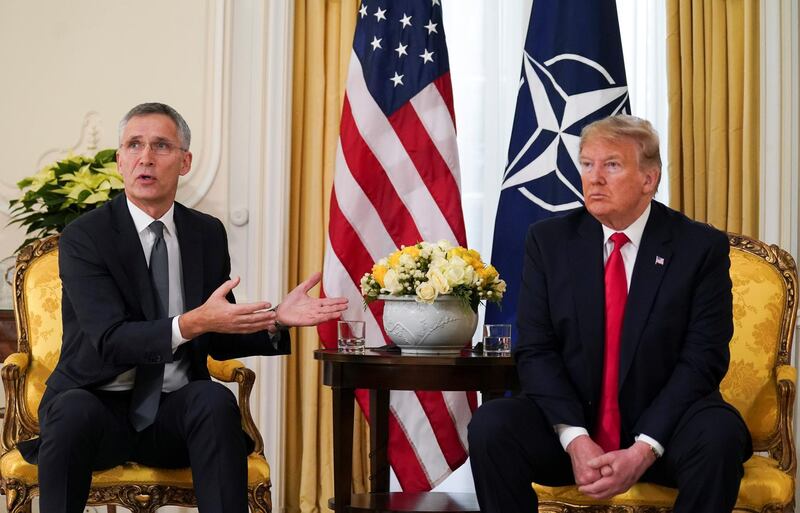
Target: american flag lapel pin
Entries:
(659, 260)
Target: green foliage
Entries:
(62, 191)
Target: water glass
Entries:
(497, 339)
(351, 336)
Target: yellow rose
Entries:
(394, 259)
(426, 293)
(411, 251)
(378, 272)
(488, 273)
(439, 282)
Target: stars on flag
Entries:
(397, 79)
(400, 28)
(401, 50)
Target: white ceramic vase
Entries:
(444, 327)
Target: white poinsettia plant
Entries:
(429, 270)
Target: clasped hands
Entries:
(600, 474)
(218, 315)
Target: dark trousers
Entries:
(512, 445)
(197, 426)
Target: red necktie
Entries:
(607, 431)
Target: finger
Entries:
(310, 282)
(606, 470)
(226, 287)
(248, 308)
(599, 461)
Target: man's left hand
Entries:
(300, 309)
(627, 466)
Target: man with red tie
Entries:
(625, 315)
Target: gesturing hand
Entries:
(300, 309)
(220, 316)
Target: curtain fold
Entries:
(323, 38)
(713, 75)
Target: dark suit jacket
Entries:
(108, 303)
(677, 325)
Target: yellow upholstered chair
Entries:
(37, 289)
(760, 383)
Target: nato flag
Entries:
(573, 73)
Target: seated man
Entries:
(147, 297)
(625, 315)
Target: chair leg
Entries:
(18, 497)
(260, 498)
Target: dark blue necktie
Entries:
(150, 377)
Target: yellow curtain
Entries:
(323, 37)
(713, 76)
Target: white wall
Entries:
(72, 69)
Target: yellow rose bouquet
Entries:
(428, 270)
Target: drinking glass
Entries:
(351, 336)
(497, 339)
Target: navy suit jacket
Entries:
(108, 303)
(677, 324)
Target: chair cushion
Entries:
(759, 299)
(763, 483)
(43, 309)
(12, 466)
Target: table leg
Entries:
(379, 440)
(343, 399)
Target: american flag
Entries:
(397, 183)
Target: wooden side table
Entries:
(381, 372)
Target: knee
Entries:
(71, 415)
(490, 424)
(212, 399)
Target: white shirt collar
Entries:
(142, 220)
(634, 231)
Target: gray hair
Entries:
(144, 109)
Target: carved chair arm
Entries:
(786, 377)
(234, 371)
(13, 374)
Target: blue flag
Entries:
(573, 73)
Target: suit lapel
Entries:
(585, 253)
(190, 242)
(652, 261)
(132, 256)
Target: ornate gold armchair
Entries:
(760, 383)
(141, 489)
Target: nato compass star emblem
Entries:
(544, 166)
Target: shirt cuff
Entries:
(651, 442)
(177, 336)
(567, 434)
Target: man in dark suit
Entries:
(625, 316)
(147, 297)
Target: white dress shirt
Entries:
(176, 374)
(566, 433)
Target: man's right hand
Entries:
(581, 450)
(220, 316)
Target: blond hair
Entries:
(624, 126)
